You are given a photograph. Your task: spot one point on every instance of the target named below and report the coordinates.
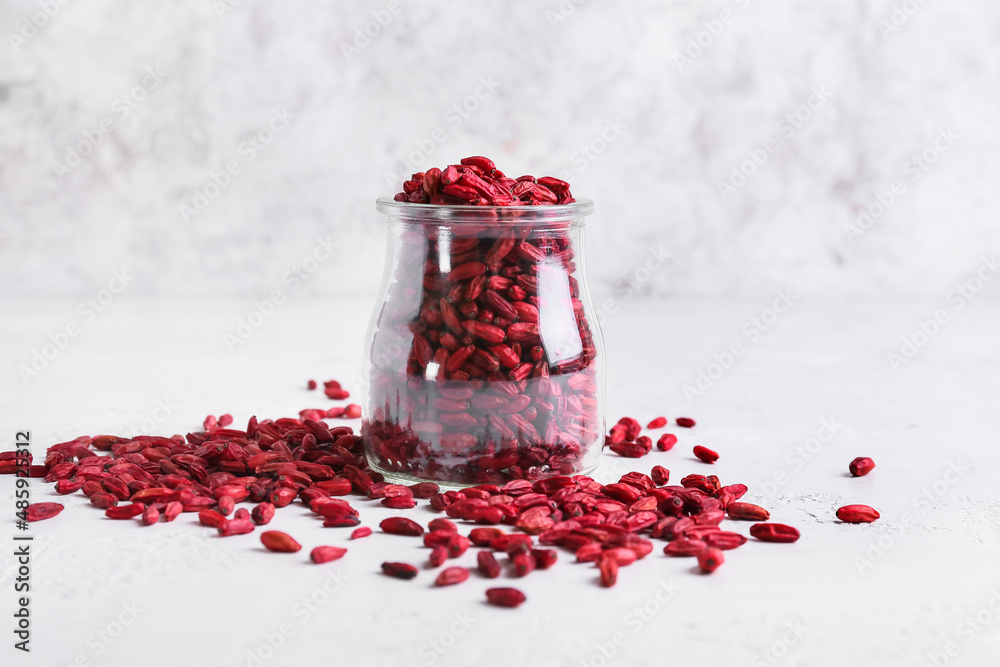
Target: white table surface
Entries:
(890, 593)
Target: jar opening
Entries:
(435, 214)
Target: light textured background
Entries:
(559, 82)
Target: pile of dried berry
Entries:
(273, 463)
(476, 181)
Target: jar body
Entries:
(484, 363)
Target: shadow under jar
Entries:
(484, 362)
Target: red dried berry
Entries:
(609, 572)
(457, 545)
(737, 491)
(311, 385)
(724, 539)
(449, 175)
(150, 516)
(624, 556)
(262, 513)
(485, 164)
(336, 393)
(66, 486)
(438, 538)
(747, 512)
(363, 531)
(211, 518)
(103, 500)
(774, 532)
(236, 527)
(505, 597)
(631, 450)
(632, 427)
(619, 433)
(282, 497)
(321, 555)
(684, 547)
(686, 422)
(226, 505)
(544, 558)
(705, 454)
(861, 466)
(666, 442)
(625, 493)
(710, 559)
(488, 564)
(589, 553)
(399, 570)
(275, 540)
(444, 524)
(42, 511)
(172, 511)
(439, 555)
(451, 576)
(524, 563)
(512, 544)
(857, 514)
(640, 546)
(399, 502)
(401, 526)
(125, 511)
(425, 489)
(659, 422)
(660, 475)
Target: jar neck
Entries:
(537, 218)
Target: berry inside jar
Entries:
(484, 364)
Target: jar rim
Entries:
(504, 215)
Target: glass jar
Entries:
(484, 362)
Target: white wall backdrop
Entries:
(115, 114)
